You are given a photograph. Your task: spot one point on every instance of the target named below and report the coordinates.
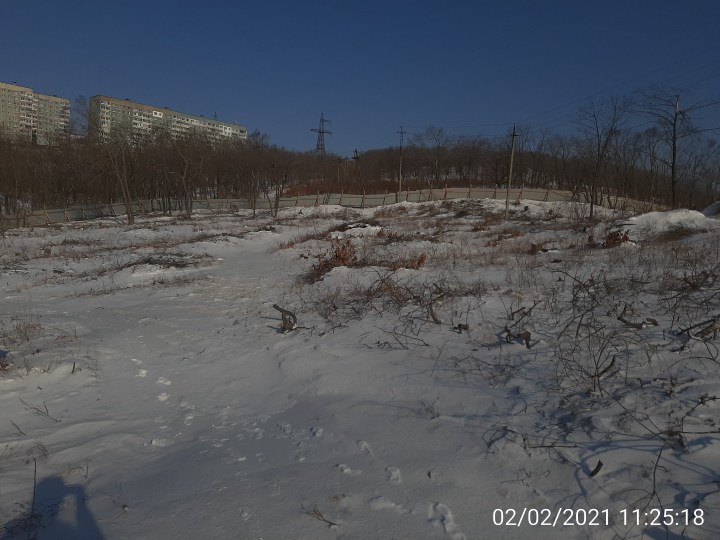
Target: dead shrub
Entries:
(389, 237)
(305, 237)
(615, 238)
(535, 248)
(506, 235)
(488, 221)
(342, 253)
(409, 263)
(386, 212)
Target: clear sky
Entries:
(472, 67)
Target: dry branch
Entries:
(433, 316)
(524, 312)
(636, 325)
(525, 336)
(317, 514)
(289, 320)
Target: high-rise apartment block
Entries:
(31, 116)
(108, 115)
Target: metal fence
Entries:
(46, 217)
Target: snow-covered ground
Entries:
(452, 375)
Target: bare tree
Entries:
(435, 139)
(116, 160)
(675, 123)
(184, 164)
(601, 124)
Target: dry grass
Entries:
(344, 253)
(676, 233)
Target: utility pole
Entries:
(402, 135)
(673, 159)
(512, 157)
(356, 159)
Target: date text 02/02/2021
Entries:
(572, 517)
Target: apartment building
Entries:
(108, 115)
(32, 116)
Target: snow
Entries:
(663, 221)
(152, 393)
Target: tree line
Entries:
(649, 146)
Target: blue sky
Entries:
(471, 67)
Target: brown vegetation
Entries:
(670, 162)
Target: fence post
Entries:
(384, 197)
(362, 202)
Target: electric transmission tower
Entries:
(321, 131)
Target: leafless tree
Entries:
(675, 123)
(601, 124)
(116, 160)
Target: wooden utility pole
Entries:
(402, 134)
(512, 157)
(673, 159)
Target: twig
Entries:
(289, 320)
(608, 368)
(16, 427)
(713, 320)
(317, 514)
(524, 311)
(433, 316)
(622, 319)
(597, 468)
(525, 336)
(40, 412)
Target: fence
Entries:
(45, 217)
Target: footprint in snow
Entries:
(163, 397)
(381, 503)
(393, 475)
(347, 470)
(365, 447)
(163, 381)
(441, 516)
(160, 443)
(142, 373)
(317, 431)
(286, 429)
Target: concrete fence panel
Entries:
(47, 217)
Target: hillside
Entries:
(450, 375)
